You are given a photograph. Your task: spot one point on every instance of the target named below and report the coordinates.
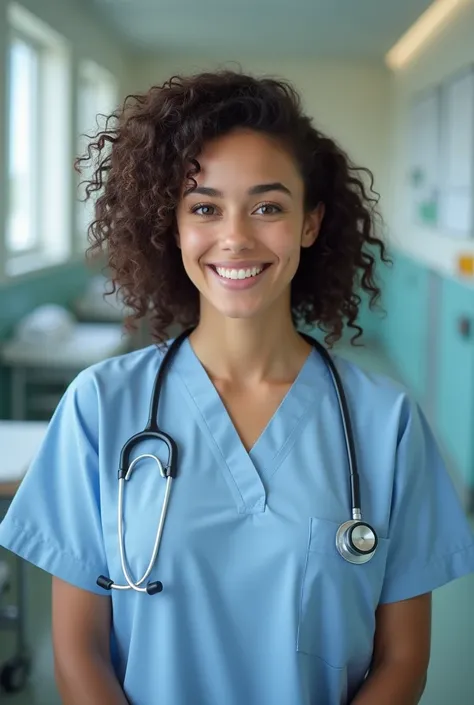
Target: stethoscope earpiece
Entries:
(154, 587)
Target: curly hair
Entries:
(152, 148)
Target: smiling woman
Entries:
(312, 515)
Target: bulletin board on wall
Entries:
(442, 155)
(425, 137)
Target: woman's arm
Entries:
(401, 654)
(81, 643)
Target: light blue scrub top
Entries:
(258, 607)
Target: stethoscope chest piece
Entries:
(356, 541)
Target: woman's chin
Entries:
(240, 312)
(244, 307)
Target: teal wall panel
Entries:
(404, 332)
(455, 366)
(445, 387)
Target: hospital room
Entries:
(311, 130)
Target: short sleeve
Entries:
(54, 520)
(431, 542)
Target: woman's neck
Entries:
(247, 352)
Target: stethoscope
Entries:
(356, 540)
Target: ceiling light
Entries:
(434, 18)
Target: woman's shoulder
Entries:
(114, 373)
(377, 393)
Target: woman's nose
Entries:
(237, 234)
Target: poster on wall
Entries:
(457, 155)
(424, 172)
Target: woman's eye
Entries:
(268, 209)
(208, 210)
(203, 210)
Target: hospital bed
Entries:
(19, 442)
(40, 371)
(96, 306)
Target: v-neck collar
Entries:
(250, 470)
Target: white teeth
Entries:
(238, 273)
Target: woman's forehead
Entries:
(247, 159)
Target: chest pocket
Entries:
(338, 600)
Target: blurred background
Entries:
(392, 82)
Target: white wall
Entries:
(88, 36)
(450, 50)
(348, 100)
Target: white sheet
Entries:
(19, 442)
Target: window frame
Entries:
(35, 249)
(52, 172)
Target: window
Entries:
(23, 145)
(97, 99)
(38, 153)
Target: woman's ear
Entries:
(312, 225)
(177, 238)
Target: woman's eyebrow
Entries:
(264, 188)
(253, 191)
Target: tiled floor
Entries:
(451, 675)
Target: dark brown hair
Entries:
(143, 157)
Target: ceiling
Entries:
(232, 29)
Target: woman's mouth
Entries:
(239, 277)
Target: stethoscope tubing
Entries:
(131, 584)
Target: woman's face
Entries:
(240, 231)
